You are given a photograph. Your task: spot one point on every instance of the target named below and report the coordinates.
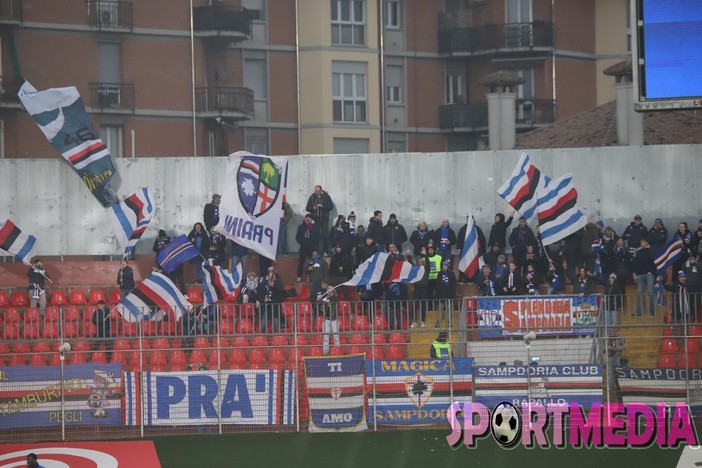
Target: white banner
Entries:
(252, 202)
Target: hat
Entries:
(393, 216)
(681, 274)
(351, 215)
(600, 223)
(638, 217)
(659, 220)
(613, 275)
(446, 262)
(699, 222)
(216, 195)
(501, 256)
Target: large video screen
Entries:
(668, 51)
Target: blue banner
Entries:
(30, 396)
(669, 386)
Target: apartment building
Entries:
(208, 77)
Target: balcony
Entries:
(9, 87)
(222, 24)
(232, 103)
(496, 39)
(10, 12)
(474, 117)
(115, 98)
(110, 16)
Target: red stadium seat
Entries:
(336, 351)
(58, 298)
(31, 331)
(687, 361)
(119, 356)
(247, 310)
(217, 359)
(397, 338)
(31, 314)
(318, 324)
(233, 298)
(258, 356)
(301, 340)
(98, 357)
(178, 360)
(4, 299)
(97, 295)
(358, 339)
(149, 328)
(693, 345)
(304, 324)
(161, 343)
(395, 352)
(52, 314)
(12, 314)
(19, 299)
(226, 326)
(37, 360)
(380, 322)
(669, 345)
(157, 357)
(288, 310)
(221, 342)
(72, 314)
(82, 345)
(121, 345)
(357, 349)
(237, 356)
(304, 294)
(360, 323)
(344, 324)
(278, 355)
(197, 356)
(194, 295)
(41, 347)
(129, 329)
(21, 348)
(316, 351)
(240, 342)
(158, 368)
(668, 332)
(201, 342)
(77, 297)
(114, 297)
(135, 360)
(78, 358)
(228, 311)
(304, 309)
(280, 341)
(70, 330)
(51, 330)
(344, 308)
(259, 341)
(17, 360)
(695, 330)
(11, 331)
(245, 326)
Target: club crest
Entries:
(258, 184)
(419, 389)
(335, 392)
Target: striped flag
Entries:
(17, 243)
(521, 189)
(557, 211)
(668, 254)
(470, 261)
(60, 115)
(152, 299)
(219, 283)
(178, 251)
(130, 219)
(382, 268)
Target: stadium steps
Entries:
(420, 339)
(642, 335)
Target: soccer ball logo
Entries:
(505, 423)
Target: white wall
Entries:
(45, 198)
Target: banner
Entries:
(417, 391)
(60, 115)
(19, 244)
(30, 396)
(548, 314)
(544, 385)
(669, 386)
(252, 202)
(336, 393)
(130, 218)
(260, 397)
(178, 251)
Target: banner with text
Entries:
(417, 391)
(30, 396)
(670, 386)
(544, 385)
(547, 314)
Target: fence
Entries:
(229, 373)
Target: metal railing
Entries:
(11, 11)
(221, 20)
(9, 87)
(225, 100)
(474, 117)
(110, 16)
(493, 38)
(109, 97)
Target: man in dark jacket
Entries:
(211, 212)
(521, 237)
(511, 281)
(681, 300)
(318, 206)
(421, 237)
(445, 292)
(486, 282)
(376, 230)
(657, 235)
(125, 279)
(37, 276)
(394, 233)
(634, 233)
(444, 240)
(645, 272)
(341, 235)
(365, 250)
(498, 232)
(101, 320)
(308, 238)
(269, 296)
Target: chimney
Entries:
(502, 130)
(629, 122)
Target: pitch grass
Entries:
(410, 448)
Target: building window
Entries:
(111, 135)
(348, 22)
(395, 143)
(256, 141)
(455, 87)
(525, 96)
(256, 9)
(256, 79)
(393, 86)
(349, 91)
(351, 146)
(393, 14)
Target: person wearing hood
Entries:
(498, 232)
(521, 237)
(318, 206)
(199, 238)
(366, 249)
(308, 238)
(395, 233)
(444, 240)
(421, 237)
(591, 245)
(681, 300)
(608, 240)
(684, 235)
(341, 235)
(445, 292)
(657, 235)
(376, 230)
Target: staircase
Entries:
(420, 339)
(642, 335)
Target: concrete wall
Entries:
(46, 199)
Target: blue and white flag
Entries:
(558, 214)
(130, 219)
(521, 189)
(61, 116)
(668, 254)
(219, 283)
(336, 389)
(383, 268)
(471, 261)
(178, 251)
(152, 300)
(252, 202)
(16, 242)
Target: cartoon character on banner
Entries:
(100, 391)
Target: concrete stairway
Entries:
(420, 339)
(642, 335)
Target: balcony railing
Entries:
(9, 87)
(111, 16)
(474, 117)
(10, 12)
(218, 20)
(231, 102)
(112, 97)
(496, 38)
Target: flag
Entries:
(522, 188)
(61, 116)
(16, 242)
(178, 251)
(130, 219)
(470, 261)
(383, 268)
(251, 206)
(336, 391)
(668, 254)
(219, 283)
(557, 211)
(152, 299)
